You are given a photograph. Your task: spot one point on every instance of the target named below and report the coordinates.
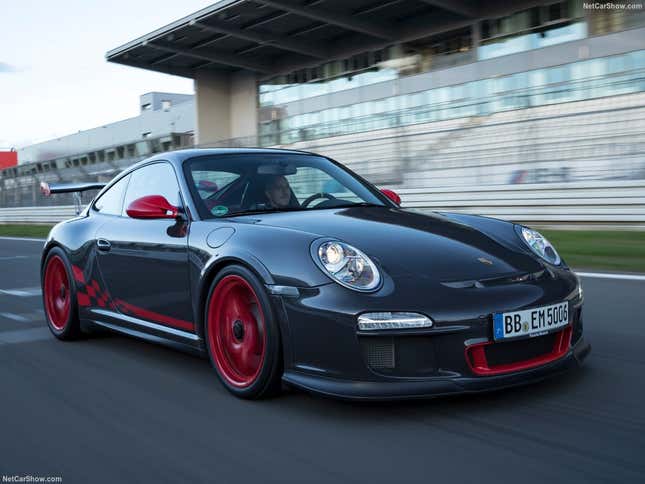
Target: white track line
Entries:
(600, 275)
(23, 292)
(28, 239)
(15, 317)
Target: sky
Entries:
(54, 79)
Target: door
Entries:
(144, 263)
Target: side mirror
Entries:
(152, 207)
(392, 195)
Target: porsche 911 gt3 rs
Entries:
(286, 267)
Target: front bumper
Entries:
(434, 387)
(325, 352)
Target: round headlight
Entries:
(540, 245)
(348, 266)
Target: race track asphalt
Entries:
(114, 409)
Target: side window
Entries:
(111, 201)
(209, 182)
(156, 179)
(218, 189)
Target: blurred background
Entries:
(532, 111)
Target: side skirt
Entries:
(153, 332)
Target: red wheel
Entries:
(241, 335)
(57, 293)
(237, 335)
(59, 296)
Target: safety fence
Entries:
(578, 203)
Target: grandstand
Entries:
(593, 140)
(600, 139)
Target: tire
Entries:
(59, 296)
(242, 334)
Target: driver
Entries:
(278, 191)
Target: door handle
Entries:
(103, 245)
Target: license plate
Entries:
(530, 322)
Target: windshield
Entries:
(228, 185)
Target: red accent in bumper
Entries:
(476, 356)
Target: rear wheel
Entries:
(242, 335)
(59, 296)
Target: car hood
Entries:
(407, 243)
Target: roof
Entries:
(191, 152)
(272, 37)
(180, 156)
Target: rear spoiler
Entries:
(48, 189)
(75, 188)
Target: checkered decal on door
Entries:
(90, 293)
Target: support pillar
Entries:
(226, 107)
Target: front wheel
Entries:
(242, 335)
(59, 296)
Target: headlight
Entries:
(540, 245)
(348, 266)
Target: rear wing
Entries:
(75, 188)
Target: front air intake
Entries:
(400, 356)
(379, 353)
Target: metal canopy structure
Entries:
(271, 37)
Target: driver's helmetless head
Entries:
(278, 191)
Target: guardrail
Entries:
(600, 202)
(36, 215)
(592, 202)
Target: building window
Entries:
(434, 52)
(532, 29)
(581, 80)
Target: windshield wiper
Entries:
(349, 205)
(263, 210)
(297, 209)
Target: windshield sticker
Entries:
(219, 210)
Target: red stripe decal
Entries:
(152, 316)
(102, 298)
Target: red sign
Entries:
(8, 158)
